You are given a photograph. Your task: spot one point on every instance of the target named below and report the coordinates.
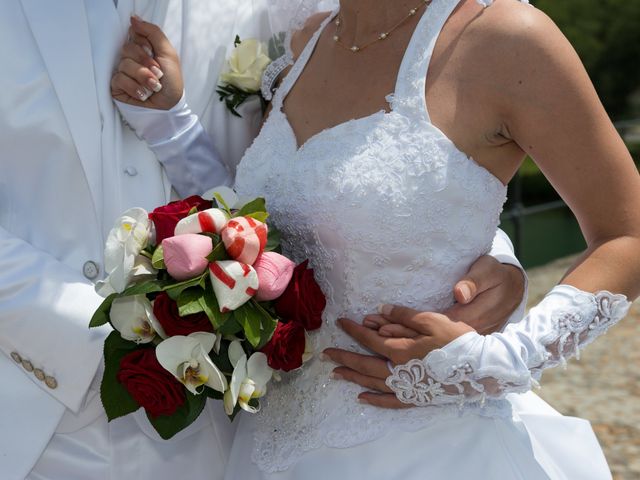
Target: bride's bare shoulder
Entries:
(300, 38)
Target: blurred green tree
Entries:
(606, 35)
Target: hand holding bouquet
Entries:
(202, 306)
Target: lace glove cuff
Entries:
(474, 367)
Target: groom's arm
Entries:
(45, 308)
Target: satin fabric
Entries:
(536, 444)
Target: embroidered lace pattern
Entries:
(386, 209)
(442, 378)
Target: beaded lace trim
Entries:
(441, 378)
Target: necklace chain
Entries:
(382, 36)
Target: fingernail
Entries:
(465, 291)
(335, 376)
(385, 309)
(369, 323)
(155, 85)
(149, 52)
(363, 401)
(157, 72)
(324, 357)
(143, 94)
(136, 17)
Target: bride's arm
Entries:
(553, 113)
(163, 118)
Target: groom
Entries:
(69, 167)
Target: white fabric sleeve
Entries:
(503, 251)
(474, 367)
(181, 145)
(45, 309)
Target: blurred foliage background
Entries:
(606, 35)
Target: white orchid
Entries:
(123, 261)
(133, 317)
(187, 359)
(249, 379)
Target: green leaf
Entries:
(101, 315)
(273, 240)
(150, 286)
(168, 425)
(218, 253)
(158, 259)
(115, 398)
(189, 301)
(176, 289)
(210, 306)
(250, 319)
(268, 324)
(257, 205)
(192, 211)
(260, 216)
(221, 359)
(277, 45)
(230, 326)
(221, 202)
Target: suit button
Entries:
(27, 365)
(90, 270)
(39, 374)
(131, 171)
(16, 357)
(51, 382)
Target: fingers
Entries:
(121, 83)
(138, 54)
(141, 74)
(157, 40)
(374, 321)
(387, 347)
(363, 364)
(406, 316)
(397, 331)
(484, 274)
(371, 383)
(382, 400)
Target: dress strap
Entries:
(298, 66)
(412, 77)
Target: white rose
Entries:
(122, 259)
(133, 318)
(247, 63)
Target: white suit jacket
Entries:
(54, 210)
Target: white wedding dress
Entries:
(387, 209)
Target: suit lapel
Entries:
(61, 32)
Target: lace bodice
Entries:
(388, 210)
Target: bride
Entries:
(384, 160)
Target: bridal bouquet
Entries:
(202, 306)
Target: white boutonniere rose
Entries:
(246, 65)
(123, 260)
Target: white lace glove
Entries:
(181, 145)
(474, 367)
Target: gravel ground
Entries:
(603, 386)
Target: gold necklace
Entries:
(382, 36)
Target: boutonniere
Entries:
(246, 65)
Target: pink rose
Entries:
(274, 273)
(185, 255)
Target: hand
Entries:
(487, 296)
(430, 331)
(147, 58)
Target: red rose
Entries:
(155, 389)
(166, 312)
(286, 348)
(303, 301)
(167, 217)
